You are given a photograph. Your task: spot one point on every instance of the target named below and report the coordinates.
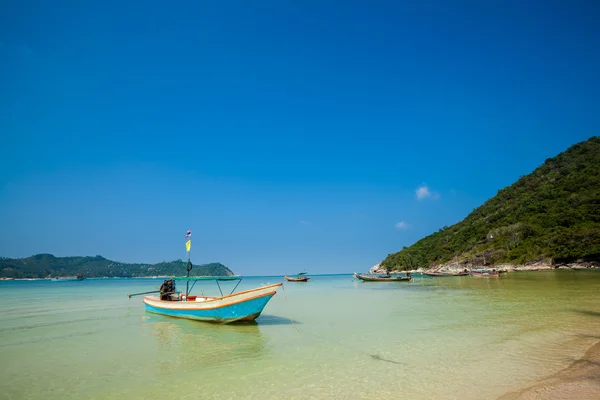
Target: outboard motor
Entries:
(167, 289)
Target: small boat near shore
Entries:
(463, 273)
(66, 278)
(378, 278)
(301, 277)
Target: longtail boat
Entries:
(301, 277)
(233, 307)
(376, 278)
(464, 273)
(485, 272)
(66, 278)
(241, 306)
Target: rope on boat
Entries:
(347, 347)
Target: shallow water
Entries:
(432, 338)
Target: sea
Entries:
(331, 338)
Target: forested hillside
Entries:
(552, 214)
(43, 265)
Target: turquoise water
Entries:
(432, 338)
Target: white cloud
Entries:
(424, 192)
(402, 225)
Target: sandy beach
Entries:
(580, 380)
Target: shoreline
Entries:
(376, 269)
(80, 280)
(454, 268)
(580, 380)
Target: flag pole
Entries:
(188, 266)
(187, 269)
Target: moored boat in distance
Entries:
(66, 278)
(485, 272)
(462, 273)
(377, 278)
(301, 277)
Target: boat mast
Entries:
(188, 266)
(187, 282)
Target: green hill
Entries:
(42, 265)
(552, 214)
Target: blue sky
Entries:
(288, 136)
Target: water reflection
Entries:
(185, 345)
(275, 320)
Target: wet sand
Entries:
(580, 380)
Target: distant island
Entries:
(47, 265)
(549, 217)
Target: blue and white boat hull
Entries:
(242, 306)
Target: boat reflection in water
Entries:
(185, 345)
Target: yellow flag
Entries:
(188, 245)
